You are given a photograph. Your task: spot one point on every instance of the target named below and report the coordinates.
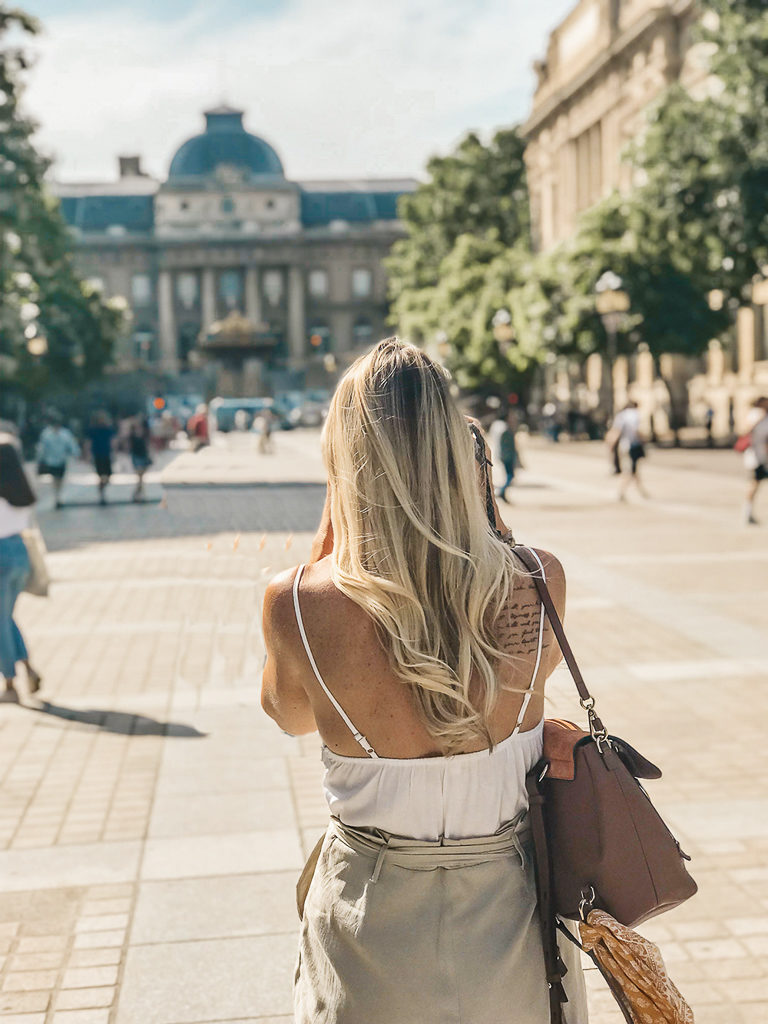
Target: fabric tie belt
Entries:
(428, 854)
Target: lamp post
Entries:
(612, 304)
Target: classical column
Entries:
(252, 297)
(208, 298)
(167, 322)
(297, 328)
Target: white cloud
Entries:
(339, 88)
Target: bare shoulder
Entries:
(278, 601)
(555, 576)
(553, 567)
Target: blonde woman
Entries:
(414, 642)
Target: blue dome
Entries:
(225, 142)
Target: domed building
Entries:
(228, 238)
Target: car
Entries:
(307, 408)
(223, 413)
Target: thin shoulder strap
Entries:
(352, 728)
(539, 649)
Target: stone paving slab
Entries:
(152, 765)
(205, 980)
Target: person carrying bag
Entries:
(414, 641)
(17, 502)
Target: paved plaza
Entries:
(153, 821)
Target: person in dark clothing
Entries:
(138, 446)
(508, 453)
(100, 439)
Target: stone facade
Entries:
(605, 63)
(227, 233)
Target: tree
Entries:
(703, 161)
(468, 234)
(41, 293)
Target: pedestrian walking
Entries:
(55, 447)
(508, 453)
(138, 447)
(756, 455)
(624, 439)
(17, 501)
(415, 643)
(101, 436)
(264, 424)
(197, 428)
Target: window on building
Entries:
(144, 344)
(270, 204)
(362, 333)
(318, 283)
(362, 283)
(231, 288)
(227, 205)
(184, 205)
(187, 289)
(141, 289)
(273, 287)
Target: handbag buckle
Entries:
(587, 901)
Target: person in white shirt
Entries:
(625, 439)
(756, 456)
(16, 503)
(54, 448)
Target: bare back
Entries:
(355, 666)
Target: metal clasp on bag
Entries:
(600, 736)
(587, 901)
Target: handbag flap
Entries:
(634, 761)
(560, 739)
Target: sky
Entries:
(340, 88)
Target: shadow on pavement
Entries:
(122, 722)
(112, 503)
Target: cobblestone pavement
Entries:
(153, 821)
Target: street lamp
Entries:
(612, 304)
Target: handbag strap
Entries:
(553, 965)
(484, 463)
(529, 560)
(586, 699)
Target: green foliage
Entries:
(704, 160)
(39, 285)
(468, 240)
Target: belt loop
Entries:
(379, 863)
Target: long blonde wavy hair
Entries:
(412, 542)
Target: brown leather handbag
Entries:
(598, 840)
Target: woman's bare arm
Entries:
(283, 696)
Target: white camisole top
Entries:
(459, 796)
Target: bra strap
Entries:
(529, 692)
(345, 717)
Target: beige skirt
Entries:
(397, 931)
